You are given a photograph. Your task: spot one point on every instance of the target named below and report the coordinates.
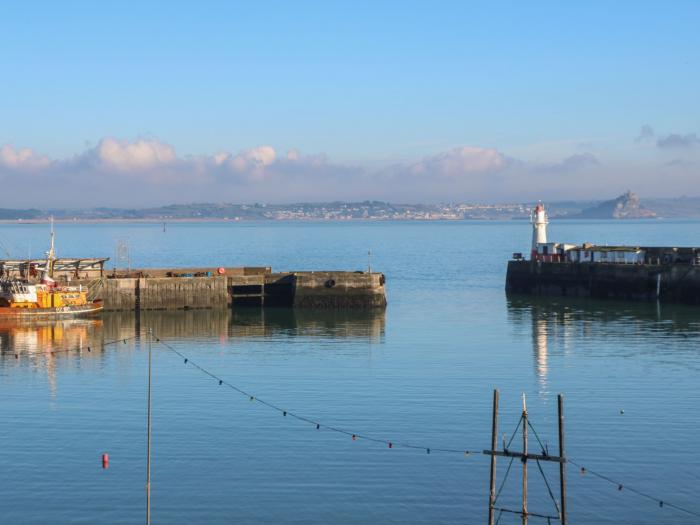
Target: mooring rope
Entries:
(318, 424)
(621, 486)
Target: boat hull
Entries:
(51, 313)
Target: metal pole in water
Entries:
(494, 439)
(148, 446)
(524, 511)
(562, 464)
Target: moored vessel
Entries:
(21, 299)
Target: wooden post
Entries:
(524, 511)
(562, 465)
(524, 456)
(494, 439)
(148, 439)
(262, 291)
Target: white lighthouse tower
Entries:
(539, 227)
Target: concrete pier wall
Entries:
(163, 293)
(339, 290)
(152, 290)
(667, 283)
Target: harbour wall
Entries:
(202, 289)
(673, 283)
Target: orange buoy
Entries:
(221, 270)
(105, 461)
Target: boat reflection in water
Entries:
(41, 342)
(561, 326)
(44, 337)
(61, 339)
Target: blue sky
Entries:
(373, 92)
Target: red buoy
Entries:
(105, 461)
(221, 270)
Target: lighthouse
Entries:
(539, 228)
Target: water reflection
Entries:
(564, 325)
(73, 337)
(42, 341)
(359, 324)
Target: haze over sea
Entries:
(422, 372)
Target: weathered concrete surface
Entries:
(311, 289)
(339, 290)
(164, 293)
(675, 283)
(152, 290)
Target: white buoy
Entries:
(539, 227)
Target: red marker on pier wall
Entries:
(105, 461)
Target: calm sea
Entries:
(422, 373)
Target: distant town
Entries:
(626, 206)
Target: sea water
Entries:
(421, 373)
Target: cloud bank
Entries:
(574, 163)
(669, 141)
(675, 140)
(147, 171)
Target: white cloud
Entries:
(146, 172)
(459, 162)
(24, 158)
(254, 158)
(138, 155)
(221, 157)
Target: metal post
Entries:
(562, 464)
(524, 511)
(658, 285)
(148, 446)
(494, 439)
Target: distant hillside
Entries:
(13, 215)
(626, 206)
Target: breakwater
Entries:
(197, 288)
(674, 283)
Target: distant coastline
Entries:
(626, 206)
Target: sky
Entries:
(148, 103)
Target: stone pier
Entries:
(159, 289)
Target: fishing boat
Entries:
(46, 299)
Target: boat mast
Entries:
(51, 254)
